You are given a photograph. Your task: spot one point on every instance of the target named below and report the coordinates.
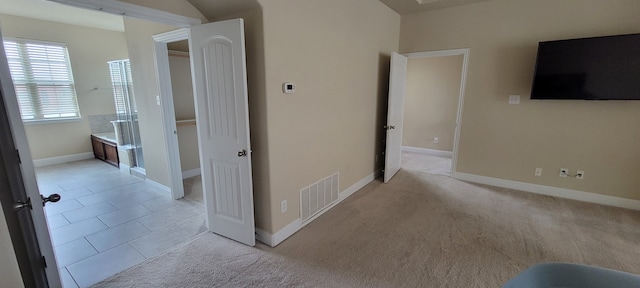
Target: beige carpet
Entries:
(421, 230)
(431, 164)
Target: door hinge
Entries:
(19, 205)
(44, 262)
(18, 152)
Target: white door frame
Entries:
(463, 80)
(162, 60)
(165, 91)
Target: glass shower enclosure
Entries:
(126, 126)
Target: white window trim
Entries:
(52, 121)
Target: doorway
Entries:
(106, 220)
(430, 112)
(219, 75)
(229, 202)
(436, 90)
(185, 117)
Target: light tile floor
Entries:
(108, 221)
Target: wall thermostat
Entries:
(288, 88)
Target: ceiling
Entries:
(212, 9)
(45, 10)
(215, 9)
(412, 6)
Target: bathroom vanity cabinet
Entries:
(105, 150)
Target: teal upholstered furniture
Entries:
(558, 275)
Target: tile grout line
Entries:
(72, 278)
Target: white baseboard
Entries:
(552, 191)
(358, 185)
(284, 233)
(190, 173)
(264, 237)
(62, 159)
(158, 185)
(293, 227)
(426, 151)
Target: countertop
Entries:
(109, 136)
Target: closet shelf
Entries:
(187, 122)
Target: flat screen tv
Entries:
(599, 68)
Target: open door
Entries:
(395, 116)
(21, 200)
(218, 66)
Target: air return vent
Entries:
(318, 196)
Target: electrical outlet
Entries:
(283, 206)
(580, 174)
(564, 172)
(436, 140)
(538, 172)
(514, 99)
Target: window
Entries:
(42, 77)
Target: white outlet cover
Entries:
(283, 206)
(564, 175)
(538, 172)
(514, 99)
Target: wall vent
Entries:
(318, 196)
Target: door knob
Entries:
(53, 198)
(242, 153)
(389, 127)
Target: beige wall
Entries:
(510, 141)
(9, 270)
(89, 51)
(431, 101)
(185, 110)
(140, 44)
(145, 86)
(337, 54)
(182, 88)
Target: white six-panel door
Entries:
(222, 117)
(395, 115)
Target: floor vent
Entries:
(318, 196)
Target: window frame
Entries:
(39, 117)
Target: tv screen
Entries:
(600, 68)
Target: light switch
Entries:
(514, 99)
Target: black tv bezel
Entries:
(535, 71)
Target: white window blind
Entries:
(122, 86)
(43, 80)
